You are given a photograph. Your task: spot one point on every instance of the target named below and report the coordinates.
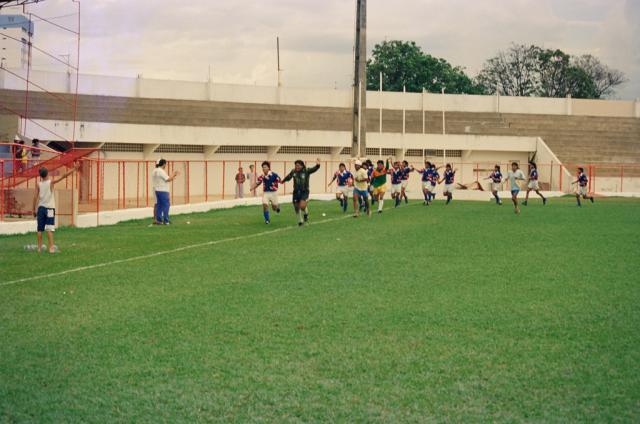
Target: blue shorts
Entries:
(46, 219)
(362, 193)
(515, 192)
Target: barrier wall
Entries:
(321, 97)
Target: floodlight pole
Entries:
(278, 55)
(359, 117)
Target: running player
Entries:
(514, 176)
(426, 173)
(406, 170)
(533, 184)
(361, 190)
(369, 167)
(582, 189)
(379, 182)
(344, 188)
(448, 177)
(269, 181)
(397, 173)
(433, 178)
(496, 182)
(300, 175)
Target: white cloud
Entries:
(170, 39)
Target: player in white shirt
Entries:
(513, 177)
(44, 206)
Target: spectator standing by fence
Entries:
(241, 178)
(35, 152)
(252, 178)
(161, 182)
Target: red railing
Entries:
(108, 184)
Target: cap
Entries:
(17, 138)
(359, 162)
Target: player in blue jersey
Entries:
(397, 173)
(582, 189)
(426, 178)
(433, 178)
(406, 171)
(448, 177)
(533, 184)
(369, 166)
(344, 187)
(496, 183)
(269, 181)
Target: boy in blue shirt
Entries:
(582, 190)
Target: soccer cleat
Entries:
(278, 210)
(267, 222)
(300, 224)
(544, 200)
(524, 203)
(500, 203)
(379, 211)
(306, 217)
(591, 198)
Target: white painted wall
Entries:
(194, 90)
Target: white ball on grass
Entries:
(324, 214)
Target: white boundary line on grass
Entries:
(164, 252)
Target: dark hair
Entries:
(448, 165)
(498, 167)
(342, 164)
(35, 140)
(266, 163)
(532, 163)
(369, 163)
(161, 163)
(380, 162)
(299, 162)
(432, 165)
(43, 172)
(514, 163)
(404, 162)
(580, 169)
(428, 163)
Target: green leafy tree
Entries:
(404, 64)
(528, 70)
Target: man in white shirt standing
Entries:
(44, 206)
(161, 182)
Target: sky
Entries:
(235, 40)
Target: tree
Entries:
(512, 73)
(604, 78)
(533, 71)
(404, 64)
(559, 77)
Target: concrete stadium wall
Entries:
(207, 90)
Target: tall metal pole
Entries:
(278, 54)
(359, 133)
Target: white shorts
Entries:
(448, 188)
(270, 196)
(582, 191)
(396, 188)
(346, 190)
(426, 185)
(496, 186)
(533, 185)
(405, 184)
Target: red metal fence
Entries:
(107, 185)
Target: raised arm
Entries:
(71, 171)
(288, 177)
(332, 179)
(315, 168)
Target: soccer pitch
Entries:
(464, 312)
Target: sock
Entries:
(345, 204)
(497, 198)
(397, 201)
(449, 197)
(433, 196)
(300, 218)
(340, 200)
(426, 196)
(578, 199)
(266, 215)
(380, 204)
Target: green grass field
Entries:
(463, 313)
